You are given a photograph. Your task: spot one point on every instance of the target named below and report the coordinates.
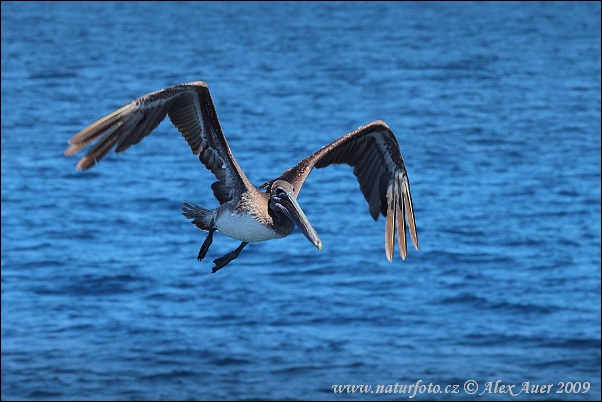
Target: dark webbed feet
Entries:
(225, 260)
(205, 246)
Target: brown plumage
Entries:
(372, 150)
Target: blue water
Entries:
(496, 108)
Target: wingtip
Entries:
(71, 150)
(85, 163)
(389, 256)
(414, 235)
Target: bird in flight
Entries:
(270, 211)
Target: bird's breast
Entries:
(245, 227)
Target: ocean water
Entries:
(496, 107)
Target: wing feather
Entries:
(401, 231)
(390, 222)
(372, 150)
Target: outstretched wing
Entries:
(190, 109)
(373, 152)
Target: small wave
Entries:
(39, 395)
(574, 343)
(231, 361)
(52, 74)
(482, 303)
(169, 375)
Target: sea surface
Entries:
(496, 107)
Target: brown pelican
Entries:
(245, 212)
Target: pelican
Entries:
(247, 213)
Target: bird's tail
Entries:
(201, 217)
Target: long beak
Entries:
(295, 213)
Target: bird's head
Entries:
(284, 201)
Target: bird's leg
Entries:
(205, 246)
(223, 261)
